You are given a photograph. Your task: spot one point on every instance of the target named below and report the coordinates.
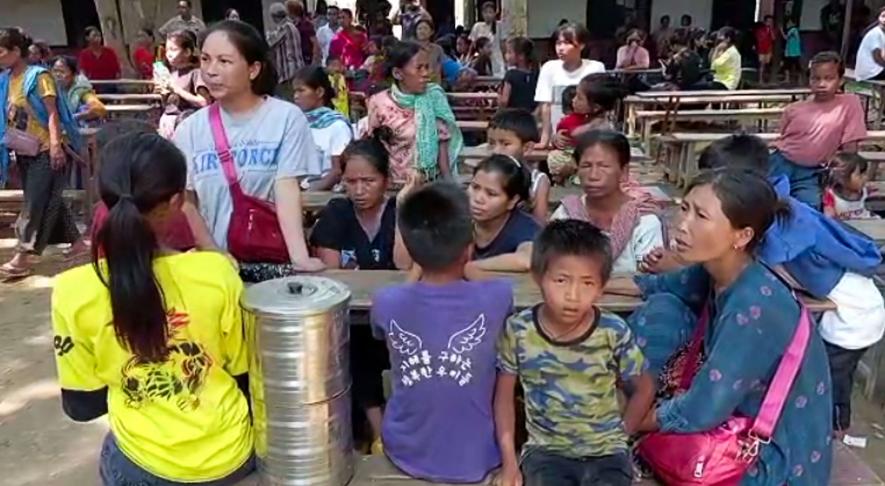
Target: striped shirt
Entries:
(286, 44)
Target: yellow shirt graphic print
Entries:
(19, 113)
(183, 419)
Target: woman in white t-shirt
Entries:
(871, 53)
(603, 156)
(269, 139)
(490, 28)
(331, 131)
(559, 74)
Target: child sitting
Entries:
(571, 359)
(438, 422)
(845, 196)
(812, 131)
(482, 63)
(336, 75)
(514, 132)
(596, 97)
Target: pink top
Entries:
(629, 57)
(812, 131)
(348, 46)
(384, 111)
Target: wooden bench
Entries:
(646, 120)
(12, 200)
(681, 149)
(472, 125)
(135, 98)
(621, 293)
(874, 228)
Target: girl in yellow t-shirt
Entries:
(152, 338)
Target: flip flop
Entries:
(12, 272)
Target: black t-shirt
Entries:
(522, 88)
(338, 229)
(519, 229)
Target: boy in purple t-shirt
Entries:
(441, 333)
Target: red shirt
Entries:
(177, 234)
(144, 62)
(104, 66)
(572, 121)
(764, 40)
(349, 48)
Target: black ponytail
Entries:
(139, 172)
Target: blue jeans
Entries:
(118, 470)
(805, 182)
(543, 468)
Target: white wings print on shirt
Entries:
(468, 338)
(403, 341)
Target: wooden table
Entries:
(646, 120)
(470, 96)
(621, 294)
(877, 87)
(130, 98)
(719, 93)
(141, 108)
(472, 125)
(135, 82)
(874, 228)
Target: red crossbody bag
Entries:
(254, 234)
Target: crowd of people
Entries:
(210, 199)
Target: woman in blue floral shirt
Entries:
(753, 317)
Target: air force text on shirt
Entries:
(251, 154)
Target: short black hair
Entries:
(519, 121)
(435, 224)
(614, 141)
(571, 237)
(828, 57)
(736, 151)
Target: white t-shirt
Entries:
(482, 29)
(554, 79)
(272, 143)
(325, 34)
(859, 318)
(866, 67)
(331, 142)
(647, 235)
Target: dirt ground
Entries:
(40, 446)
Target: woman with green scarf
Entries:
(331, 131)
(425, 136)
(77, 91)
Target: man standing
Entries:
(185, 20)
(310, 48)
(326, 33)
(285, 44)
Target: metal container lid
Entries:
(297, 296)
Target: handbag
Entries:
(254, 234)
(721, 457)
(21, 142)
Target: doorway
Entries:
(250, 11)
(78, 14)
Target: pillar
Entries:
(514, 17)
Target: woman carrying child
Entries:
(425, 136)
(603, 159)
(77, 91)
(36, 125)
(521, 80)
(559, 74)
(143, 317)
(845, 194)
(814, 130)
(490, 28)
(183, 89)
(331, 131)
(272, 138)
(752, 319)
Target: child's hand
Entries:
(509, 476)
(561, 140)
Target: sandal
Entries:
(76, 251)
(12, 272)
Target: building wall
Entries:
(542, 19)
(700, 11)
(42, 19)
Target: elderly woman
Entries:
(425, 137)
(76, 90)
(752, 318)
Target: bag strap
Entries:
(694, 351)
(780, 386)
(222, 147)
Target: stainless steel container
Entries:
(300, 380)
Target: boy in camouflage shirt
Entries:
(570, 358)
